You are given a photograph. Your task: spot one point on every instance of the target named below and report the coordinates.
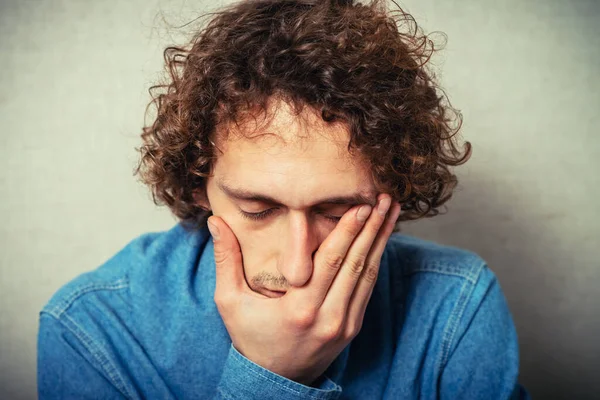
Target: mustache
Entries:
(274, 282)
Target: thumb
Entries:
(228, 256)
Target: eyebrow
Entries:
(247, 195)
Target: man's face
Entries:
(303, 176)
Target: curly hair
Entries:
(351, 62)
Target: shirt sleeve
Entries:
(64, 369)
(484, 360)
(244, 379)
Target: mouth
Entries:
(270, 293)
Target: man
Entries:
(296, 131)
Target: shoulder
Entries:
(426, 275)
(101, 315)
(439, 289)
(449, 302)
(140, 259)
(409, 255)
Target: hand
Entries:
(299, 334)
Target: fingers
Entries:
(331, 253)
(228, 259)
(345, 281)
(366, 283)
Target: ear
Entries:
(201, 199)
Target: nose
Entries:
(298, 247)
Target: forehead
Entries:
(293, 158)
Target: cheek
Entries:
(254, 242)
(259, 252)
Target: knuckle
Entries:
(303, 318)
(221, 257)
(353, 331)
(334, 260)
(371, 272)
(223, 300)
(331, 331)
(356, 264)
(218, 297)
(227, 256)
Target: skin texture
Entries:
(324, 270)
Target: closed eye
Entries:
(264, 214)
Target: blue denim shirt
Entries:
(144, 325)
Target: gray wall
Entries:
(525, 75)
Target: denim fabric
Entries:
(144, 325)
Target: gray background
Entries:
(524, 74)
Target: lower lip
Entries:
(271, 293)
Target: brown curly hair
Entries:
(349, 61)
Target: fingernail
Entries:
(363, 213)
(214, 231)
(384, 205)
